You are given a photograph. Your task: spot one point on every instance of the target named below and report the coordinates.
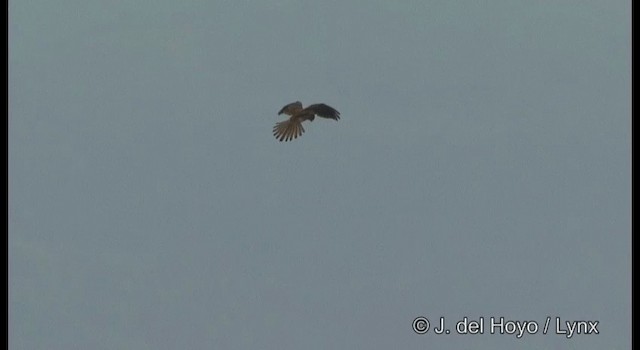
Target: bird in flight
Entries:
(292, 128)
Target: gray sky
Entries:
(481, 168)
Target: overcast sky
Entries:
(481, 168)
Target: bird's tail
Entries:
(288, 129)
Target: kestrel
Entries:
(290, 129)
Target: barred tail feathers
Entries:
(288, 130)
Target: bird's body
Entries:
(292, 128)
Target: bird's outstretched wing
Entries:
(288, 129)
(291, 108)
(324, 111)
